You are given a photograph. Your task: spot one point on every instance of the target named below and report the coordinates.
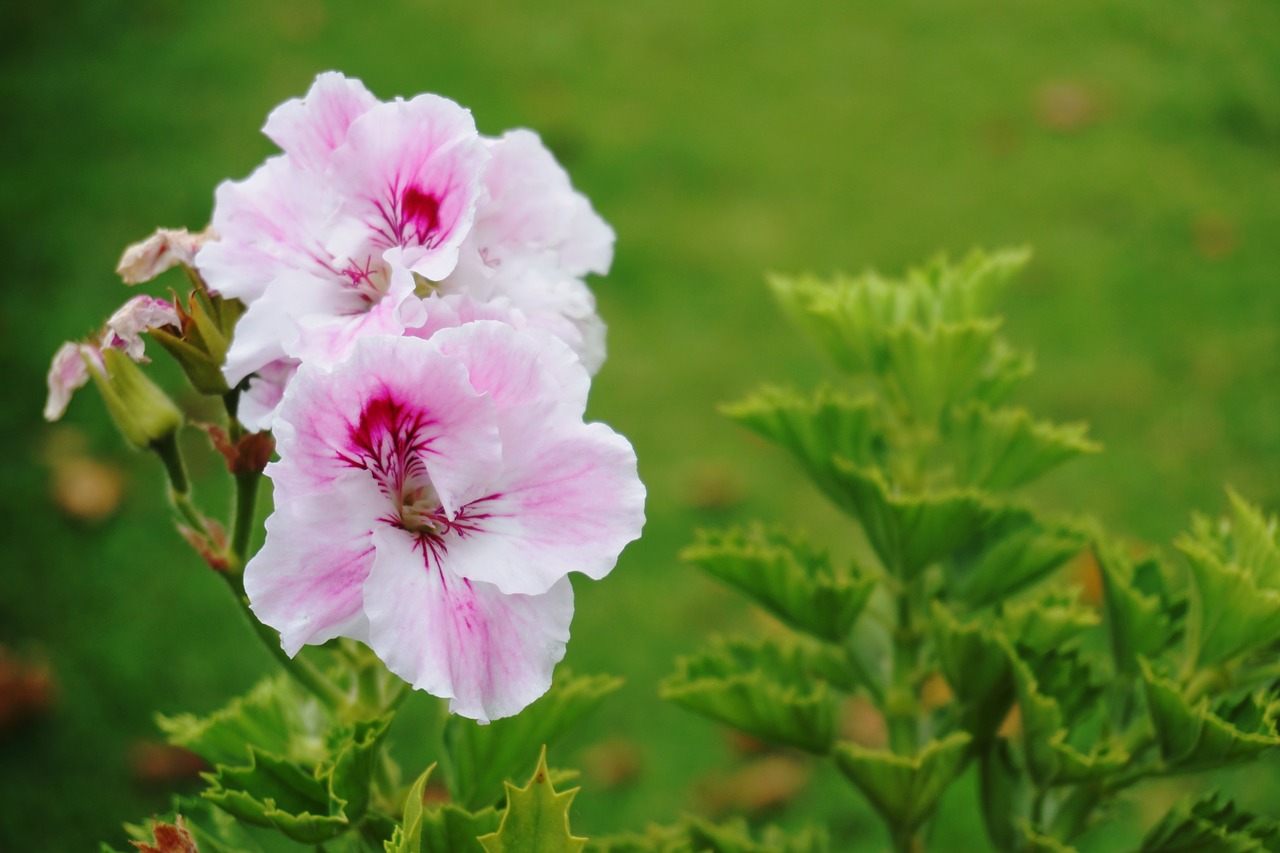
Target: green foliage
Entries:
(692, 835)
(904, 789)
(772, 691)
(536, 819)
(787, 577)
(1211, 824)
(481, 758)
(444, 829)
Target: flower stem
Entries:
(246, 500)
(166, 447)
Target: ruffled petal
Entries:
(489, 653)
(516, 368)
(309, 128)
(569, 500)
(67, 373)
(307, 579)
(409, 175)
(394, 399)
(125, 327)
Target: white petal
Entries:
(491, 654)
(67, 373)
(307, 579)
(569, 500)
(309, 128)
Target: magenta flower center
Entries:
(419, 215)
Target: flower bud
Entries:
(200, 345)
(143, 412)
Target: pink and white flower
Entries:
(365, 195)
(373, 206)
(431, 497)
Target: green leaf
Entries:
(1208, 733)
(407, 837)
(1144, 616)
(785, 576)
(976, 666)
(273, 792)
(481, 758)
(275, 717)
(770, 691)
(1038, 842)
(1211, 824)
(1009, 553)
(904, 789)
(1051, 621)
(355, 751)
(816, 430)
(1235, 568)
(536, 819)
(1005, 448)
(443, 829)
(909, 532)
(1049, 753)
(735, 837)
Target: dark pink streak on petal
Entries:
(389, 441)
(419, 215)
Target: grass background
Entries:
(1135, 145)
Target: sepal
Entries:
(786, 576)
(143, 413)
(764, 689)
(206, 324)
(904, 789)
(481, 758)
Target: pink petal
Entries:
(491, 654)
(67, 373)
(409, 175)
(391, 392)
(569, 500)
(516, 368)
(309, 128)
(166, 248)
(307, 579)
(125, 327)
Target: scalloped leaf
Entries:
(1143, 615)
(275, 717)
(904, 789)
(909, 532)
(443, 829)
(1012, 551)
(536, 819)
(481, 758)
(1211, 824)
(1208, 733)
(976, 666)
(1001, 449)
(1038, 842)
(735, 837)
(1051, 621)
(1049, 755)
(786, 576)
(815, 429)
(765, 689)
(276, 793)
(1235, 567)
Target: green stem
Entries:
(902, 706)
(246, 500)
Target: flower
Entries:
(373, 206)
(431, 497)
(165, 248)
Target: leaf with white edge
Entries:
(1211, 824)
(904, 789)
(763, 689)
(275, 717)
(1001, 449)
(1143, 614)
(909, 532)
(536, 819)
(817, 429)
(1207, 733)
(273, 792)
(481, 758)
(787, 577)
(976, 666)
(1050, 755)
(1009, 554)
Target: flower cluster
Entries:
(418, 336)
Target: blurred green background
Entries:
(1134, 145)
